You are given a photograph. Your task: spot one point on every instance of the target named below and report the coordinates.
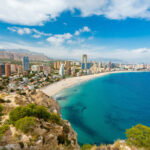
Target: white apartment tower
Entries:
(62, 70)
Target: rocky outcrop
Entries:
(45, 135)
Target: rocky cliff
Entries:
(46, 134)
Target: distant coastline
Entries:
(55, 88)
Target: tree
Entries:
(139, 136)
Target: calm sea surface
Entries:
(102, 109)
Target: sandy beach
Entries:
(53, 89)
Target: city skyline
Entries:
(66, 29)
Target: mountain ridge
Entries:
(18, 54)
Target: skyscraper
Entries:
(59, 64)
(61, 70)
(20, 70)
(84, 62)
(3, 69)
(25, 63)
(67, 64)
(109, 65)
(0, 70)
(7, 70)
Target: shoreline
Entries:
(55, 88)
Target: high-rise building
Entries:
(35, 68)
(68, 71)
(3, 69)
(20, 70)
(84, 62)
(40, 68)
(67, 64)
(109, 65)
(25, 63)
(61, 70)
(0, 70)
(55, 65)
(46, 70)
(14, 68)
(73, 71)
(7, 70)
(58, 64)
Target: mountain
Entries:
(18, 54)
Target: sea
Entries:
(100, 110)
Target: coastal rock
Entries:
(45, 135)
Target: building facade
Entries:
(67, 64)
(20, 70)
(62, 70)
(25, 63)
(0, 70)
(84, 61)
(7, 70)
(3, 69)
(35, 68)
(14, 68)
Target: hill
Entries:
(18, 54)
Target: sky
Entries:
(66, 29)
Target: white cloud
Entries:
(77, 41)
(32, 12)
(22, 31)
(59, 39)
(84, 29)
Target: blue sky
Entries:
(115, 29)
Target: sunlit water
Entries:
(102, 109)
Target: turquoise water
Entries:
(102, 109)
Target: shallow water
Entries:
(102, 109)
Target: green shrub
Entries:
(40, 112)
(86, 147)
(3, 129)
(55, 118)
(29, 110)
(18, 113)
(26, 124)
(139, 136)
